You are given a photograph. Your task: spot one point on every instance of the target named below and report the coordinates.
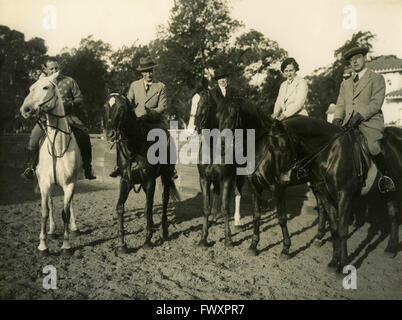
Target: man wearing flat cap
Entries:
(148, 97)
(359, 106)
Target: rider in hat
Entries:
(223, 90)
(359, 106)
(72, 98)
(149, 100)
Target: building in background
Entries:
(391, 68)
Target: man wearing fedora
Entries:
(359, 106)
(149, 100)
(222, 91)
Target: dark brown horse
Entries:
(130, 135)
(217, 181)
(326, 152)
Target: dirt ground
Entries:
(179, 269)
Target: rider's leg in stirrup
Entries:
(84, 144)
(32, 153)
(385, 183)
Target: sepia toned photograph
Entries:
(200, 150)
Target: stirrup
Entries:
(386, 184)
(28, 174)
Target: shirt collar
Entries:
(361, 73)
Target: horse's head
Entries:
(116, 107)
(42, 96)
(205, 115)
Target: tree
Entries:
(88, 65)
(20, 62)
(196, 32)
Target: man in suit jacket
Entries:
(149, 100)
(292, 92)
(359, 105)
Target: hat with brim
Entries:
(222, 73)
(356, 50)
(146, 63)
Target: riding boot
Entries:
(385, 183)
(84, 144)
(115, 173)
(32, 160)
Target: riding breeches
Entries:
(82, 138)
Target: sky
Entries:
(309, 30)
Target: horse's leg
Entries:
(227, 188)
(281, 214)
(165, 201)
(206, 197)
(344, 210)
(238, 193)
(393, 212)
(123, 195)
(256, 196)
(333, 222)
(321, 216)
(73, 227)
(68, 195)
(45, 194)
(52, 226)
(150, 191)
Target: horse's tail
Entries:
(173, 192)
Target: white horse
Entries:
(59, 157)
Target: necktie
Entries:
(356, 78)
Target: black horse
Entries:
(326, 154)
(130, 135)
(217, 181)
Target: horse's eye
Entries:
(45, 88)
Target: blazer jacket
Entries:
(367, 99)
(291, 98)
(153, 101)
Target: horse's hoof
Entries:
(147, 245)
(252, 251)
(67, 252)
(74, 234)
(122, 250)
(332, 267)
(318, 242)
(285, 255)
(229, 244)
(390, 252)
(52, 236)
(203, 243)
(44, 253)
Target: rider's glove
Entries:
(356, 120)
(68, 107)
(337, 122)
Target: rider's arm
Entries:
(130, 93)
(376, 99)
(300, 99)
(194, 105)
(78, 98)
(162, 101)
